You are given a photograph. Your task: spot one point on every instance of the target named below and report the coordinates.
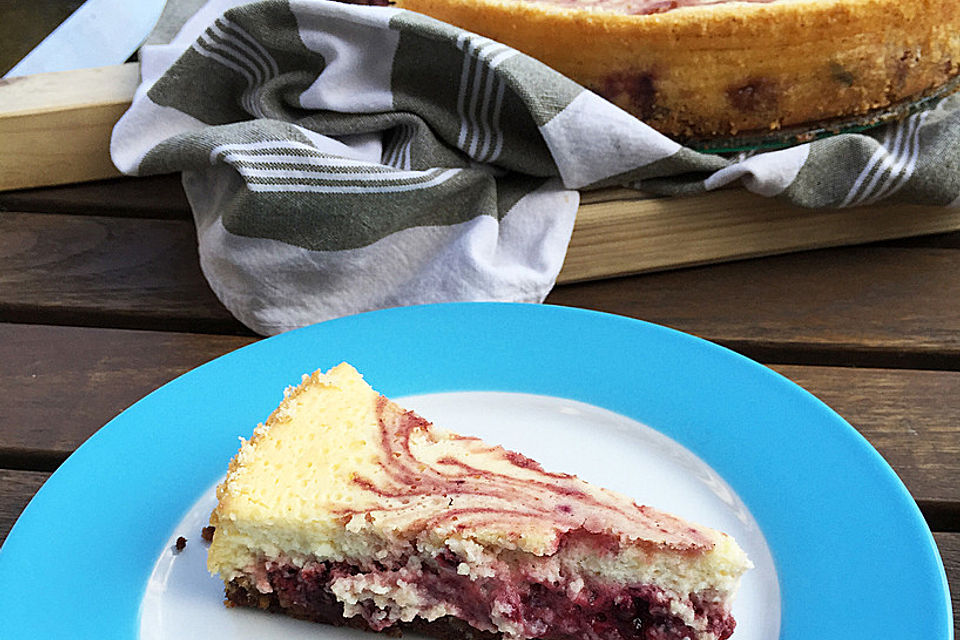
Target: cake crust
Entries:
(723, 69)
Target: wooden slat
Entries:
(949, 545)
(894, 305)
(620, 237)
(880, 306)
(59, 384)
(663, 228)
(112, 271)
(56, 127)
(16, 489)
(149, 197)
(909, 416)
(617, 231)
(949, 240)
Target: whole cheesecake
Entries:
(344, 508)
(701, 69)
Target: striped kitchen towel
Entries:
(340, 158)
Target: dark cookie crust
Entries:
(242, 594)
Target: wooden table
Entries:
(102, 301)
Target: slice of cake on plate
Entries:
(346, 509)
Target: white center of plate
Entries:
(182, 601)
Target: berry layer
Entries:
(509, 604)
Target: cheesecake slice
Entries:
(346, 509)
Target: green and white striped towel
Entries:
(341, 158)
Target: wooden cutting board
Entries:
(55, 129)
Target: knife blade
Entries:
(98, 33)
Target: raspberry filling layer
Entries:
(434, 589)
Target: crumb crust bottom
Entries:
(242, 594)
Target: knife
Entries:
(99, 33)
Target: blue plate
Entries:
(854, 556)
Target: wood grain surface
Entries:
(149, 197)
(49, 373)
(617, 232)
(949, 545)
(58, 385)
(877, 305)
(162, 197)
(639, 235)
(56, 126)
(102, 271)
(904, 415)
(16, 490)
